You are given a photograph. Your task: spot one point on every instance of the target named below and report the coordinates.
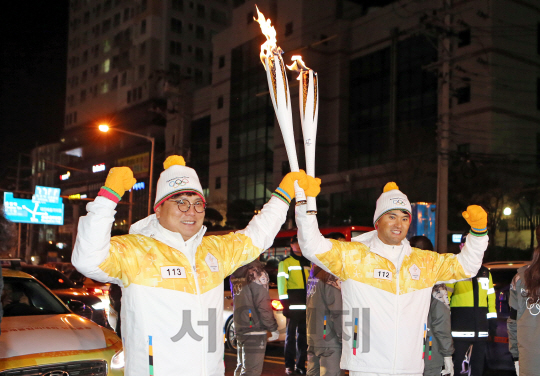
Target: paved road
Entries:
(273, 361)
(274, 364)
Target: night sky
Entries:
(33, 63)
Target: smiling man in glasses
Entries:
(171, 276)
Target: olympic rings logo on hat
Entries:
(398, 201)
(178, 182)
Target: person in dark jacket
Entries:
(293, 273)
(324, 314)
(253, 317)
(474, 319)
(524, 321)
(438, 338)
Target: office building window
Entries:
(107, 66)
(178, 5)
(123, 80)
(218, 182)
(176, 25)
(83, 95)
(464, 38)
(142, 49)
(141, 71)
(221, 63)
(198, 76)
(218, 17)
(219, 142)
(288, 29)
(251, 130)
(175, 48)
(116, 20)
(201, 11)
(370, 138)
(143, 27)
(199, 32)
(220, 102)
(463, 93)
(114, 83)
(106, 26)
(199, 54)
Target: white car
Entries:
(228, 329)
(41, 336)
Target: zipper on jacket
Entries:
(194, 270)
(396, 320)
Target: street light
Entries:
(507, 211)
(105, 128)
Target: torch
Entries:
(309, 114)
(279, 92)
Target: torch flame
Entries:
(298, 65)
(270, 46)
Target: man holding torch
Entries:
(171, 276)
(387, 284)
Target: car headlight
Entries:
(117, 361)
(98, 305)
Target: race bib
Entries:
(173, 272)
(415, 272)
(212, 262)
(382, 274)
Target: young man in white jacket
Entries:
(172, 276)
(386, 284)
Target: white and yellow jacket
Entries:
(385, 307)
(172, 298)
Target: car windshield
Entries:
(51, 278)
(26, 297)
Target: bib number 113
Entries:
(173, 272)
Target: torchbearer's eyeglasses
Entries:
(184, 205)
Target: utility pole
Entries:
(443, 132)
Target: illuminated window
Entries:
(107, 66)
(106, 46)
(104, 87)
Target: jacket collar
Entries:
(371, 240)
(150, 227)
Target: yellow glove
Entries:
(476, 217)
(285, 191)
(119, 180)
(311, 186)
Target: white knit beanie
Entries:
(391, 199)
(176, 178)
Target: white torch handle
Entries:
(279, 92)
(309, 114)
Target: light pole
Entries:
(507, 211)
(105, 128)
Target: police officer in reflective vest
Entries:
(293, 273)
(474, 318)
